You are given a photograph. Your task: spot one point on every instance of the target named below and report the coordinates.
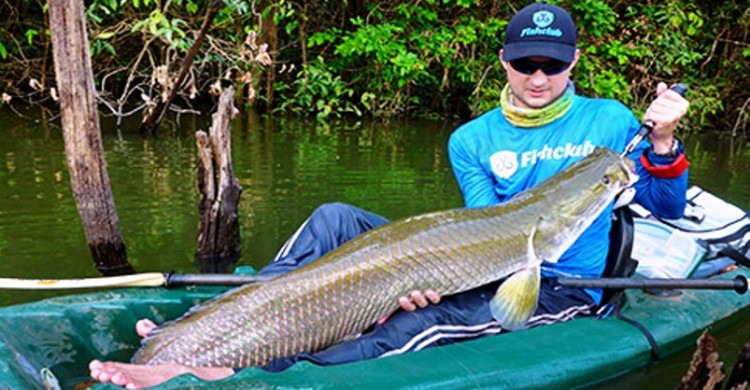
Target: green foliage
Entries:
(462, 3)
(422, 56)
(409, 57)
(596, 18)
(137, 3)
(30, 34)
(628, 47)
(414, 57)
(284, 14)
(101, 43)
(317, 91)
(159, 25)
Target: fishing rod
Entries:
(647, 127)
(154, 279)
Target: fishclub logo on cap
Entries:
(543, 18)
(541, 30)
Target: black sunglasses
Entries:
(528, 67)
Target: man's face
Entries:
(538, 89)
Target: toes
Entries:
(120, 379)
(103, 376)
(144, 327)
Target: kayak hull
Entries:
(63, 334)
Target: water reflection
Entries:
(721, 164)
(287, 168)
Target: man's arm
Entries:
(476, 185)
(663, 174)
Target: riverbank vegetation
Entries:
(429, 58)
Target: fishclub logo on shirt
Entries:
(505, 163)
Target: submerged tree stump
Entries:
(219, 229)
(706, 370)
(83, 144)
(740, 376)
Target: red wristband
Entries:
(671, 171)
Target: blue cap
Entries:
(540, 30)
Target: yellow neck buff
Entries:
(535, 117)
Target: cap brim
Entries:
(557, 51)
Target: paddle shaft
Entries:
(176, 280)
(738, 284)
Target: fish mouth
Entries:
(629, 167)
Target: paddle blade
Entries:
(152, 279)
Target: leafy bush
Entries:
(436, 58)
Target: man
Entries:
(540, 128)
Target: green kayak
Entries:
(62, 334)
(48, 344)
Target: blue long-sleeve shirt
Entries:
(494, 160)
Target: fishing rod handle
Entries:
(648, 126)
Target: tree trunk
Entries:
(83, 144)
(270, 35)
(219, 229)
(152, 121)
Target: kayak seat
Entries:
(619, 260)
(620, 264)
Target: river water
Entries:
(287, 167)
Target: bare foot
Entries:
(136, 376)
(144, 327)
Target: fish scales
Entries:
(347, 290)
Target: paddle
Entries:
(738, 284)
(155, 279)
(149, 279)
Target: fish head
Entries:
(628, 166)
(576, 196)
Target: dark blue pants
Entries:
(457, 317)
(329, 226)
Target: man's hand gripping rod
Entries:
(648, 126)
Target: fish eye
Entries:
(605, 179)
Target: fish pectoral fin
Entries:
(530, 252)
(516, 299)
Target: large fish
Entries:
(344, 292)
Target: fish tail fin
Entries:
(516, 299)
